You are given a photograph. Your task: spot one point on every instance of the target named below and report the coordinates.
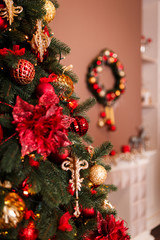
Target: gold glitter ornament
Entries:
(10, 11)
(66, 85)
(98, 174)
(13, 211)
(40, 41)
(50, 11)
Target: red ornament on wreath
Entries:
(29, 232)
(79, 125)
(24, 72)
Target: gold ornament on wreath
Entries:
(10, 11)
(75, 165)
(40, 41)
(50, 11)
(97, 174)
(13, 211)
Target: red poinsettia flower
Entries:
(41, 128)
(108, 229)
(64, 223)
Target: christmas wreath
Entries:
(106, 97)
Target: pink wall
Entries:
(88, 26)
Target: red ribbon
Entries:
(15, 51)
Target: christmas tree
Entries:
(51, 178)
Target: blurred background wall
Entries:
(90, 26)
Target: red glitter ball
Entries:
(79, 126)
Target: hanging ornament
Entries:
(97, 174)
(79, 125)
(13, 210)
(33, 162)
(50, 11)
(66, 86)
(72, 103)
(29, 232)
(106, 97)
(60, 156)
(107, 205)
(10, 11)
(88, 212)
(6, 184)
(24, 72)
(74, 165)
(40, 41)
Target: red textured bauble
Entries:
(24, 72)
(88, 212)
(112, 128)
(59, 157)
(43, 88)
(108, 122)
(1, 134)
(126, 148)
(28, 233)
(79, 125)
(72, 103)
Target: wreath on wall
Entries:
(106, 97)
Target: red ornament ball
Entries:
(103, 114)
(1, 134)
(72, 103)
(108, 122)
(24, 72)
(59, 157)
(3, 21)
(28, 233)
(126, 148)
(79, 125)
(112, 128)
(88, 212)
(43, 88)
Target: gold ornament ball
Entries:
(50, 11)
(13, 211)
(67, 86)
(98, 174)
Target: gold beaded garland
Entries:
(98, 174)
(50, 11)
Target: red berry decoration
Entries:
(103, 114)
(24, 72)
(79, 125)
(43, 88)
(112, 128)
(28, 233)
